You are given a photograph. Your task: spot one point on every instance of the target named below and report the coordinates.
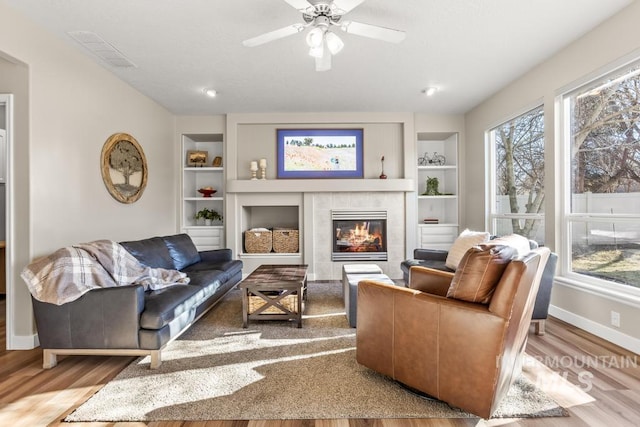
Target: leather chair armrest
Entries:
(430, 254)
(430, 280)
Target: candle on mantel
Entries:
(263, 163)
(254, 166)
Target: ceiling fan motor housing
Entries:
(322, 14)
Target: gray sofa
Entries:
(127, 320)
(433, 258)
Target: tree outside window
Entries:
(517, 148)
(604, 218)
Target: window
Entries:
(602, 216)
(517, 176)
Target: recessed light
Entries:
(211, 92)
(430, 91)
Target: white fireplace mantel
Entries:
(319, 185)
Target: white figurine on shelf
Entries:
(263, 168)
(253, 168)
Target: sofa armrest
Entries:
(430, 280)
(543, 299)
(102, 318)
(216, 255)
(430, 254)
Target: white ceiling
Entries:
(468, 48)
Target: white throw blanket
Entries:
(70, 272)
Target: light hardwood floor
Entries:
(605, 393)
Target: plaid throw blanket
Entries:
(70, 272)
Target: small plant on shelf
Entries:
(208, 215)
(432, 187)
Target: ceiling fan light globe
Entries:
(317, 52)
(315, 37)
(334, 43)
(323, 63)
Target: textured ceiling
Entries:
(467, 48)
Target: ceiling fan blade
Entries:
(323, 63)
(301, 5)
(373, 31)
(273, 35)
(346, 6)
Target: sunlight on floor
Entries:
(554, 383)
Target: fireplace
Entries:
(359, 235)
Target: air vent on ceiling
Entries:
(99, 47)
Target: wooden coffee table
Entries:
(274, 292)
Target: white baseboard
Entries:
(23, 342)
(623, 340)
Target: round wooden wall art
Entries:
(124, 167)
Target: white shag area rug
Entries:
(272, 370)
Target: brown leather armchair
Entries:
(464, 353)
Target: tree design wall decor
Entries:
(124, 167)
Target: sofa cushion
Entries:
(429, 263)
(164, 305)
(226, 269)
(150, 252)
(182, 250)
(463, 242)
(479, 272)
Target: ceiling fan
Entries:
(322, 16)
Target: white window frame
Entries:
(491, 216)
(594, 285)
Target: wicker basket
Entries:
(290, 302)
(258, 241)
(285, 240)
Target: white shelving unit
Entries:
(443, 207)
(205, 237)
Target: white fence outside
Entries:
(596, 232)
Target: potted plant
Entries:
(209, 215)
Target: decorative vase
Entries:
(382, 175)
(208, 221)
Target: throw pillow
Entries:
(461, 245)
(479, 272)
(519, 243)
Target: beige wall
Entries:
(617, 38)
(74, 105)
(256, 141)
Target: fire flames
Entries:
(361, 238)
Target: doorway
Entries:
(6, 122)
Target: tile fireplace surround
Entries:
(321, 229)
(315, 225)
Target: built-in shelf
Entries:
(318, 185)
(272, 255)
(204, 169)
(204, 199)
(444, 206)
(444, 196)
(205, 237)
(437, 168)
